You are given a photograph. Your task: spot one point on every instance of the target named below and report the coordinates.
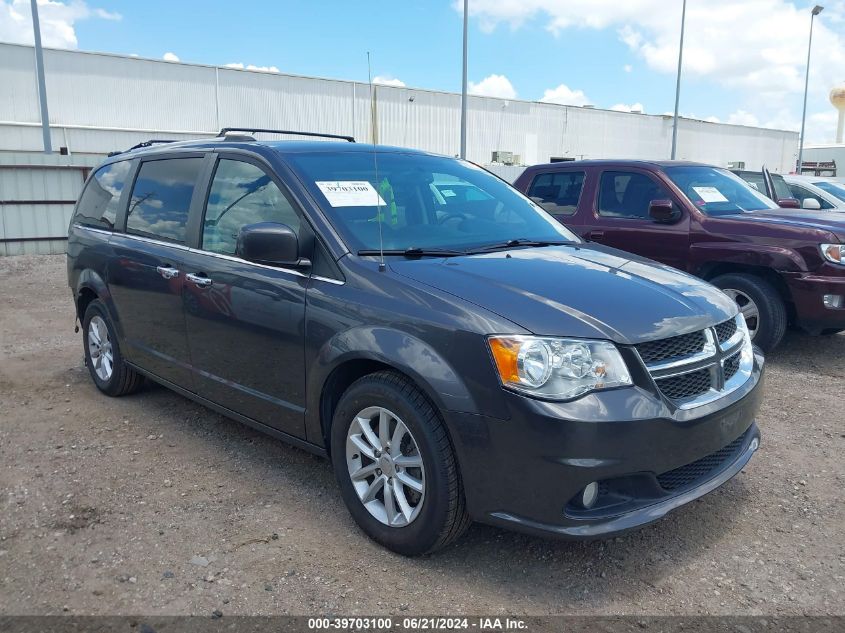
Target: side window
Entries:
(558, 193)
(755, 179)
(99, 202)
(802, 194)
(241, 194)
(628, 194)
(161, 198)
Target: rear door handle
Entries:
(595, 235)
(200, 280)
(168, 272)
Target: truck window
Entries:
(625, 194)
(558, 193)
(99, 202)
(161, 198)
(241, 194)
(801, 194)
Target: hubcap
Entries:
(99, 348)
(385, 466)
(749, 310)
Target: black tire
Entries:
(443, 517)
(772, 319)
(123, 380)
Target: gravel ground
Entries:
(152, 504)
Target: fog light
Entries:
(832, 301)
(589, 495)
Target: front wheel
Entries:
(760, 305)
(395, 465)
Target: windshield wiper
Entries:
(517, 242)
(414, 251)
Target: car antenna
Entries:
(381, 266)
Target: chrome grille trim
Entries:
(728, 364)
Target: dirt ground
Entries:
(154, 505)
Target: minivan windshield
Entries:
(717, 191)
(418, 202)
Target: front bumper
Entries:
(807, 290)
(524, 472)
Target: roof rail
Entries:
(226, 130)
(150, 143)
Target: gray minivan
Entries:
(457, 353)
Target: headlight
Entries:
(834, 253)
(557, 368)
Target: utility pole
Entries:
(463, 88)
(42, 85)
(678, 82)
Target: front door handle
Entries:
(595, 236)
(168, 272)
(200, 280)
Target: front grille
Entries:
(724, 331)
(686, 385)
(691, 473)
(667, 348)
(731, 366)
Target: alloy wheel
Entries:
(385, 466)
(749, 310)
(100, 349)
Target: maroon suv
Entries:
(781, 266)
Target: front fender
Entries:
(777, 258)
(394, 348)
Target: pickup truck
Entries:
(782, 267)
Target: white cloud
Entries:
(564, 95)
(170, 57)
(387, 80)
(624, 107)
(756, 50)
(627, 68)
(741, 117)
(713, 119)
(57, 21)
(493, 86)
(263, 69)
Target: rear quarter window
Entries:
(99, 203)
(558, 193)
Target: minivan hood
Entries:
(578, 291)
(830, 221)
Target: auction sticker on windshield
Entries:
(710, 194)
(350, 193)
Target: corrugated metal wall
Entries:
(99, 103)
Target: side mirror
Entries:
(810, 203)
(789, 203)
(270, 244)
(663, 211)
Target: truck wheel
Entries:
(760, 304)
(396, 467)
(102, 354)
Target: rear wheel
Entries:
(396, 467)
(760, 305)
(102, 354)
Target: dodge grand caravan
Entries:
(455, 352)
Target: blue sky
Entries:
(744, 64)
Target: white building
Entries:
(101, 102)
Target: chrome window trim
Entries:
(199, 251)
